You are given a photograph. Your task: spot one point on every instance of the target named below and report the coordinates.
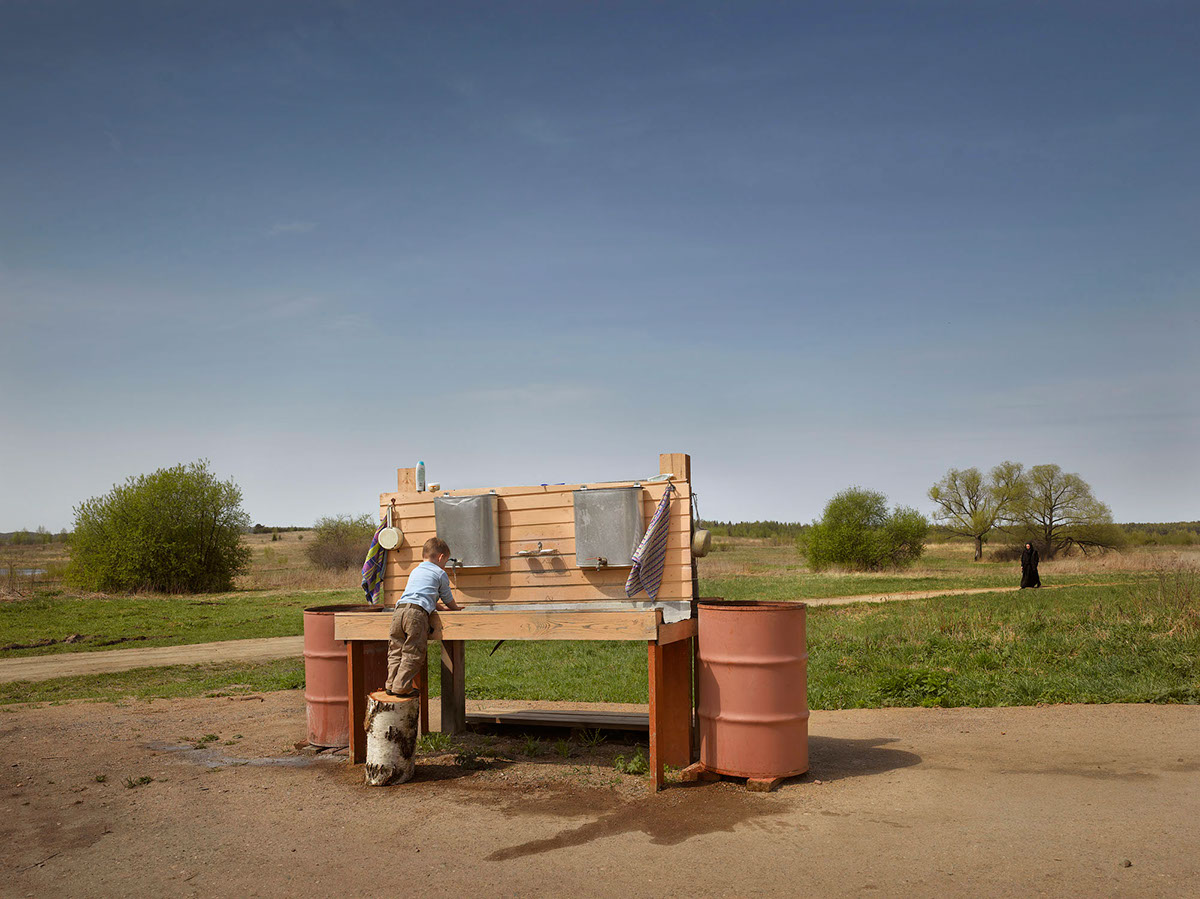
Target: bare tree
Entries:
(970, 506)
(1057, 510)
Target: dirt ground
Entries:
(1062, 801)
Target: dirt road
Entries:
(1063, 801)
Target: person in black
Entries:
(1029, 563)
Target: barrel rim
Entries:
(752, 605)
(345, 607)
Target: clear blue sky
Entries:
(814, 245)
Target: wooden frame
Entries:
(540, 518)
(669, 666)
(577, 603)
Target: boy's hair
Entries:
(434, 547)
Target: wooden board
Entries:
(631, 721)
(532, 514)
(641, 624)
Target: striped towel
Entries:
(372, 573)
(648, 558)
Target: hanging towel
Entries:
(648, 558)
(372, 572)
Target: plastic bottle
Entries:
(420, 477)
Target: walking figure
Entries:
(1029, 563)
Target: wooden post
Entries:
(406, 480)
(356, 692)
(656, 678)
(695, 710)
(675, 705)
(678, 464)
(424, 687)
(454, 687)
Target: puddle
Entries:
(667, 819)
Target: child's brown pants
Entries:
(407, 646)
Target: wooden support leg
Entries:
(454, 687)
(356, 692)
(670, 676)
(424, 687)
(656, 678)
(695, 711)
(675, 705)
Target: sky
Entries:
(813, 245)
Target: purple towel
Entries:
(372, 571)
(649, 557)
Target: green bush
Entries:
(341, 541)
(857, 531)
(177, 530)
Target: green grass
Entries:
(1078, 644)
(1127, 643)
(128, 621)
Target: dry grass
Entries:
(284, 565)
(1166, 558)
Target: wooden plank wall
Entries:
(531, 514)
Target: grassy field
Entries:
(1127, 629)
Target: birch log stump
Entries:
(391, 727)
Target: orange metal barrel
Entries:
(325, 689)
(753, 685)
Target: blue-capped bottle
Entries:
(420, 477)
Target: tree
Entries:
(1057, 510)
(857, 531)
(341, 541)
(970, 506)
(177, 530)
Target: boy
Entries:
(427, 585)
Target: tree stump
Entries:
(391, 727)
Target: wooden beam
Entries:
(424, 688)
(406, 481)
(517, 495)
(564, 718)
(640, 624)
(454, 687)
(356, 691)
(675, 705)
(676, 630)
(678, 464)
(656, 677)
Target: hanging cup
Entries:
(390, 537)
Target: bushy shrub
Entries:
(857, 531)
(341, 541)
(177, 530)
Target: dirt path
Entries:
(36, 668)
(1061, 800)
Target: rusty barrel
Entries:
(753, 686)
(326, 692)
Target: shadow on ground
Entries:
(833, 758)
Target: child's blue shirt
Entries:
(426, 585)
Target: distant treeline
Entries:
(1170, 533)
(1173, 533)
(30, 538)
(762, 530)
(273, 529)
